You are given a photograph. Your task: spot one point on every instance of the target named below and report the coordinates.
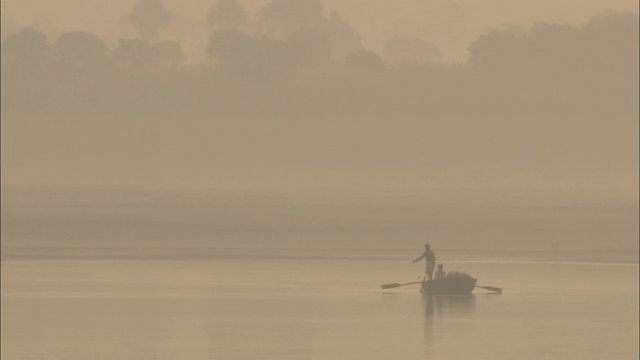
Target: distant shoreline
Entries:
(224, 254)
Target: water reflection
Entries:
(448, 306)
(438, 310)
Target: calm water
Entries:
(314, 309)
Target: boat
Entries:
(454, 283)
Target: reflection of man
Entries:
(431, 260)
(440, 274)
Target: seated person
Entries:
(440, 274)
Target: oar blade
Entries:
(390, 286)
(491, 288)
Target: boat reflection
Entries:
(449, 305)
(438, 311)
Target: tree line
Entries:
(295, 60)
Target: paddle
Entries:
(491, 288)
(395, 285)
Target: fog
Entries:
(450, 25)
(333, 122)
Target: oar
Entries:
(395, 285)
(491, 288)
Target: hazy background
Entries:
(450, 25)
(307, 124)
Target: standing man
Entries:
(431, 260)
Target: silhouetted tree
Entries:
(310, 51)
(613, 39)
(493, 48)
(341, 36)
(144, 55)
(25, 55)
(149, 17)
(134, 53)
(282, 19)
(226, 43)
(227, 14)
(27, 48)
(612, 26)
(238, 52)
(364, 60)
(83, 50)
(168, 55)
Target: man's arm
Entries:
(421, 257)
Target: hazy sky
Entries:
(451, 25)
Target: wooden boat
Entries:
(454, 284)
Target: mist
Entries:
(280, 179)
(289, 100)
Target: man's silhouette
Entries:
(431, 260)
